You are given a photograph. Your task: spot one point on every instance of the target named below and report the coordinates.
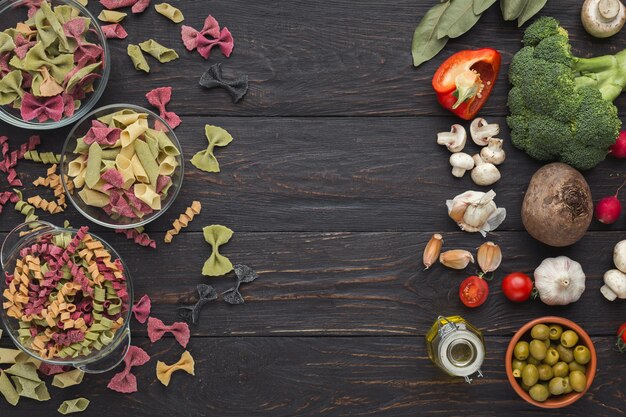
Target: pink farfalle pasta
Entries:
(207, 38)
(49, 63)
(114, 31)
(141, 309)
(180, 331)
(159, 97)
(125, 381)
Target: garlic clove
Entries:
(432, 250)
(489, 257)
(456, 258)
(475, 211)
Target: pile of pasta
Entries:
(124, 166)
(47, 65)
(68, 295)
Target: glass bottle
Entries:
(456, 347)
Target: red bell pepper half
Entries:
(464, 81)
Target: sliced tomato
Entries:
(517, 287)
(473, 291)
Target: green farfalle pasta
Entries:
(53, 23)
(162, 53)
(205, 160)
(80, 74)
(7, 389)
(31, 389)
(36, 58)
(169, 11)
(6, 43)
(48, 158)
(66, 13)
(68, 379)
(139, 61)
(11, 87)
(111, 16)
(217, 264)
(77, 405)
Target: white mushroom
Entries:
(493, 153)
(481, 131)
(484, 173)
(454, 140)
(619, 255)
(614, 285)
(461, 162)
(603, 18)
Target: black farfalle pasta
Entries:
(212, 78)
(191, 313)
(244, 274)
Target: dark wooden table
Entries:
(333, 185)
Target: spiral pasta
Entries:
(27, 210)
(43, 157)
(41, 203)
(183, 220)
(53, 181)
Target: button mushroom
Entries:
(603, 18)
(493, 153)
(614, 285)
(481, 131)
(484, 173)
(461, 162)
(454, 140)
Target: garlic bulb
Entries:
(559, 280)
(475, 211)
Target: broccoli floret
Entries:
(561, 106)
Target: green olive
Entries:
(517, 364)
(575, 366)
(540, 331)
(560, 369)
(578, 381)
(568, 387)
(537, 349)
(547, 343)
(555, 332)
(557, 385)
(545, 372)
(539, 392)
(521, 351)
(534, 361)
(581, 354)
(569, 338)
(524, 386)
(552, 356)
(530, 375)
(565, 354)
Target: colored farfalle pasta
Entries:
(217, 264)
(69, 298)
(48, 63)
(206, 160)
(183, 220)
(185, 363)
(124, 166)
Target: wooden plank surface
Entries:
(333, 185)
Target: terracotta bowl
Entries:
(524, 334)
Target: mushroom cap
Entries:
(619, 255)
(485, 174)
(616, 281)
(603, 18)
(461, 160)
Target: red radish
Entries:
(618, 149)
(609, 208)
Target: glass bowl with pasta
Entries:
(54, 63)
(122, 166)
(66, 298)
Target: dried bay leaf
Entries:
(457, 19)
(425, 43)
(482, 5)
(512, 9)
(532, 8)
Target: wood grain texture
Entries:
(330, 376)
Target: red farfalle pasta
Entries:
(75, 29)
(102, 134)
(42, 110)
(114, 31)
(126, 382)
(180, 330)
(141, 309)
(159, 97)
(208, 37)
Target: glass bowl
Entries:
(99, 215)
(103, 355)
(557, 401)
(15, 11)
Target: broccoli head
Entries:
(561, 105)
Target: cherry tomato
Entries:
(621, 338)
(473, 291)
(517, 287)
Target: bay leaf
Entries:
(425, 43)
(511, 9)
(482, 5)
(531, 9)
(457, 19)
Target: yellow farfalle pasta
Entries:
(169, 11)
(183, 220)
(164, 371)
